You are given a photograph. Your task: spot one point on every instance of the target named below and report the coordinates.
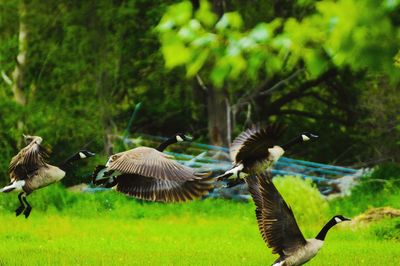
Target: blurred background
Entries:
(73, 71)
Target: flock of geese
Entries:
(149, 174)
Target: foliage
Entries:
(378, 189)
(303, 197)
(343, 29)
(385, 176)
(89, 63)
(389, 229)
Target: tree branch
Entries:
(282, 82)
(311, 115)
(6, 78)
(302, 89)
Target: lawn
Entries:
(110, 229)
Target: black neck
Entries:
(321, 235)
(166, 143)
(293, 142)
(67, 163)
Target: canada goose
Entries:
(29, 171)
(148, 174)
(256, 149)
(279, 228)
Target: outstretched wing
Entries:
(254, 142)
(149, 162)
(153, 189)
(28, 160)
(275, 218)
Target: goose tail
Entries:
(17, 185)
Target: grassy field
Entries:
(110, 229)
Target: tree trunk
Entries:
(218, 117)
(18, 74)
(219, 122)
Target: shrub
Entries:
(385, 176)
(388, 229)
(309, 206)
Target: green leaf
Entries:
(181, 13)
(196, 64)
(315, 63)
(175, 54)
(219, 73)
(205, 15)
(205, 40)
(231, 20)
(260, 33)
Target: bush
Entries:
(385, 176)
(378, 189)
(309, 206)
(388, 229)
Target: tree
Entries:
(310, 51)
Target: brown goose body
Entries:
(44, 176)
(303, 254)
(148, 174)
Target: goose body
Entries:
(278, 226)
(303, 254)
(44, 176)
(256, 150)
(149, 174)
(30, 171)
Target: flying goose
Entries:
(149, 174)
(278, 226)
(256, 149)
(29, 171)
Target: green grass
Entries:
(67, 228)
(210, 232)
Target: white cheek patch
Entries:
(82, 155)
(337, 220)
(275, 153)
(179, 138)
(305, 138)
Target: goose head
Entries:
(340, 218)
(182, 137)
(306, 136)
(83, 154)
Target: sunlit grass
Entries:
(184, 239)
(67, 228)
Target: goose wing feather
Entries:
(275, 218)
(153, 189)
(149, 162)
(28, 160)
(254, 142)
